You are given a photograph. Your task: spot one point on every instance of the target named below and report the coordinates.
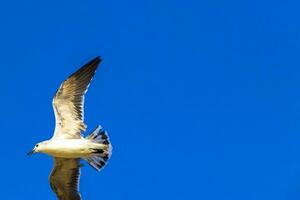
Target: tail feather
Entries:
(100, 155)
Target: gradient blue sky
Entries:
(201, 98)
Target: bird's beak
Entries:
(31, 152)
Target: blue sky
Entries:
(201, 99)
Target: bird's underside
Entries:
(68, 146)
(76, 148)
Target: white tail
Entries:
(99, 156)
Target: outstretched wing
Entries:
(68, 102)
(64, 178)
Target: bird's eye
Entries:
(36, 145)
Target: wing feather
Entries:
(68, 102)
(64, 178)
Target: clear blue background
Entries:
(201, 98)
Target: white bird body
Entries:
(71, 148)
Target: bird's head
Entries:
(39, 147)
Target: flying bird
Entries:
(68, 145)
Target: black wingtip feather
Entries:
(94, 61)
(88, 69)
(91, 66)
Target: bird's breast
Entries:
(68, 148)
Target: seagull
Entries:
(68, 145)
